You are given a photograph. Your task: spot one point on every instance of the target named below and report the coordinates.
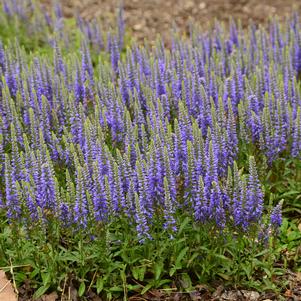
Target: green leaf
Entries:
(183, 225)
(247, 269)
(284, 225)
(222, 257)
(204, 248)
(192, 258)
(179, 241)
(262, 253)
(20, 276)
(146, 288)
(186, 281)
(116, 289)
(45, 278)
(82, 289)
(135, 272)
(122, 274)
(99, 284)
(268, 272)
(181, 255)
(142, 270)
(163, 281)
(158, 269)
(292, 192)
(139, 272)
(41, 291)
(109, 295)
(34, 273)
(286, 210)
(132, 287)
(293, 236)
(224, 276)
(257, 262)
(172, 271)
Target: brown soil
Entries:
(148, 18)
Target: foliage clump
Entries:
(125, 169)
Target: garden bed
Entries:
(165, 171)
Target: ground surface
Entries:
(147, 18)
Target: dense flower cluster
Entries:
(152, 132)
